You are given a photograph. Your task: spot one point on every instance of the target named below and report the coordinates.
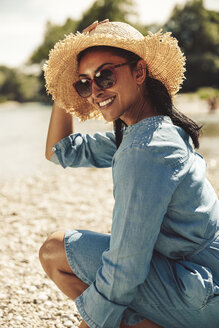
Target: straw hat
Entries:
(164, 59)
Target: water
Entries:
(23, 131)
(209, 141)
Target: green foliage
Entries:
(197, 31)
(15, 85)
(9, 86)
(53, 34)
(211, 95)
(115, 10)
(28, 87)
(206, 93)
(44, 97)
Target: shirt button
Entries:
(53, 149)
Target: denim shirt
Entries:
(163, 202)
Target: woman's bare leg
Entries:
(144, 324)
(53, 260)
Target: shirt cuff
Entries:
(54, 159)
(97, 311)
(64, 145)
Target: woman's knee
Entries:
(52, 252)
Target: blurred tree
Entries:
(197, 31)
(15, 85)
(29, 87)
(212, 97)
(9, 86)
(53, 34)
(115, 10)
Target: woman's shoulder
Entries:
(160, 139)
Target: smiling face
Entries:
(118, 101)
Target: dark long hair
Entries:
(158, 97)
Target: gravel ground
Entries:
(30, 210)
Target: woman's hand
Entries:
(83, 325)
(94, 25)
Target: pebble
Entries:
(42, 297)
(20, 292)
(68, 323)
(73, 318)
(10, 316)
(59, 325)
(48, 304)
(32, 289)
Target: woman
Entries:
(160, 265)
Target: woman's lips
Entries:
(106, 103)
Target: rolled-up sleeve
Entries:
(143, 187)
(79, 150)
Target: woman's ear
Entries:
(140, 72)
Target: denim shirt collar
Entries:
(147, 122)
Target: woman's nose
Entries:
(96, 90)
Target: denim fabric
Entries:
(87, 151)
(175, 294)
(165, 213)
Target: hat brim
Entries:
(164, 59)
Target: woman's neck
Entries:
(141, 110)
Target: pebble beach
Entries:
(31, 209)
(38, 201)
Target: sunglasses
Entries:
(105, 78)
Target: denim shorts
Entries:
(175, 294)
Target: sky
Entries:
(22, 22)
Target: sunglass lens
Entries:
(83, 87)
(105, 79)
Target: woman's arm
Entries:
(60, 126)
(76, 150)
